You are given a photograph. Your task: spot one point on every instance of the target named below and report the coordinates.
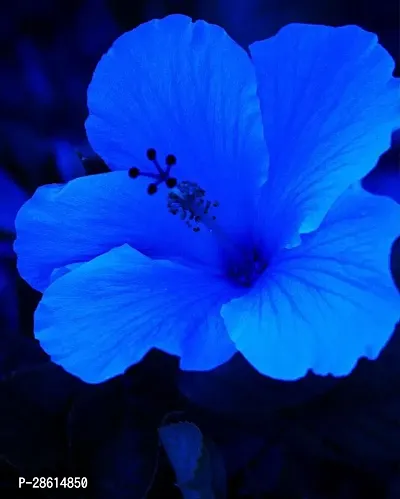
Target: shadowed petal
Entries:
(329, 105)
(328, 302)
(73, 223)
(105, 315)
(188, 89)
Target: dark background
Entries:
(319, 438)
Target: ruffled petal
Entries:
(186, 89)
(73, 223)
(106, 314)
(328, 302)
(329, 105)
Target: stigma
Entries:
(162, 175)
(185, 199)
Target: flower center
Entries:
(188, 200)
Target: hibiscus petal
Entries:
(73, 223)
(329, 106)
(106, 314)
(186, 89)
(328, 302)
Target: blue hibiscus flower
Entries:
(257, 237)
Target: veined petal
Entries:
(329, 105)
(73, 223)
(189, 90)
(106, 314)
(328, 302)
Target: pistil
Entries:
(188, 200)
